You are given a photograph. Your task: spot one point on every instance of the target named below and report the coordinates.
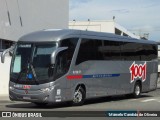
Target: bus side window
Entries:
(64, 58)
(61, 63)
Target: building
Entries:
(109, 26)
(19, 17)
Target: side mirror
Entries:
(55, 53)
(3, 55)
(9, 50)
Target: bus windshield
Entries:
(32, 62)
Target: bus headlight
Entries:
(47, 89)
(11, 88)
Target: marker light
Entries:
(11, 88)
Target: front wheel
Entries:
(79, 97)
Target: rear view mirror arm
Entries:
(54, 54)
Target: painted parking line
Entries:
(148, 100)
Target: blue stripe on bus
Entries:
(70, 77)
(101, 75)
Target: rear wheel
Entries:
(79, 97)
(137, 90)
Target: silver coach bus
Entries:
(52, 66)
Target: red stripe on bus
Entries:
(70, 77)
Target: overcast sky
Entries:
(135, 15)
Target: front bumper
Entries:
(32, 96)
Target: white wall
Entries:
(100, 26)
(158, 61)
(4, 76)
(35, 14)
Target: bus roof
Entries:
(49, 35)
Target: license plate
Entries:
(27, 98)
(26, 87)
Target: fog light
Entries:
(45, 99)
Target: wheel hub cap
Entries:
(77, 97)
(137, 90)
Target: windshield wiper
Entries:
(20, 74)
(34, 73)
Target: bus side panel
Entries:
(106, 78)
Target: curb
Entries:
(4, 98)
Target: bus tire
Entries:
(79, 97)
(137, 90)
